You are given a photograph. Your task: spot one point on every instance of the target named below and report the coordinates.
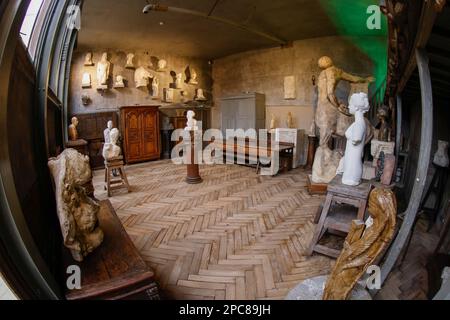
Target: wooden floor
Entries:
(235, 236)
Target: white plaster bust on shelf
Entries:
(88, 60)
(193, 80)
(162, 65)
(130, 63)
(103, 69)
(441, 157)
(112, 150)
(191, 122)
(356, 136)
(200, 95)
(142, 77)
(107, 132)
(273, 122)
(119, 82)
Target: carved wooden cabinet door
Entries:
(140, 126)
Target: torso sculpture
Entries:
(329, 112)
(356, 138)
(130, 63)
(103, 69)
(77, 212)
(191, 124)
(363, 245)
(111, 150)
(155, 88)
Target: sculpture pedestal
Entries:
(312, 143)
(193, 169)
(316, 188)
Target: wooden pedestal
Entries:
(193, 169)
(316, 188)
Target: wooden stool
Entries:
(339, 222)
(111, 184)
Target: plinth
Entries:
(193, 168)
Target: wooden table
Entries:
(259, 151)
(115, 270)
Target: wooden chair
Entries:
(112, 184)
(337, 221)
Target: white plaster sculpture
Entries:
(130, 61)
(329, 112)
(107, 132)
(290, 121)
(200, 95)
(191, 124)
(168, 95)
(162, 65)
(193, 76)
(119, 82)
(178, 80)
(441, 157)
(290, 88)
(88, 60)
(77, 212)
(142, 77)
(155, 88)
(112, 150)
(356, 137)
(273, 122)
(86, 81)
(103, 70)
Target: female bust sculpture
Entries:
(356, 136)
(88, 60)
(191, 124)
(162, 64)
(103, 68)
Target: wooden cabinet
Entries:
(140, 132)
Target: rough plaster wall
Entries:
(129, 96)
(264, 71)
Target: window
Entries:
(30, 20)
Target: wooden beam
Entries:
(422, 168)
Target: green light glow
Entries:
(350, 18)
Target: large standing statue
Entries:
(103, 69)
(363, 245)
(330, 112)
(77, 212)
(356, 138)
(111, 150)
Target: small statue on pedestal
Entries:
(111, 150)
(73, 132)
(191, 124)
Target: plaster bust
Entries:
(73, 132)
(119, 82)
(107, 132)
(103, 70)
(88, 60)
(356, 136)
(441, 157)
(191, 124)
(162, 65)
(193, 80)
(200, 95)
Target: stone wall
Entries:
(112, 99)
(264, 71)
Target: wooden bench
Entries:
(115, 270)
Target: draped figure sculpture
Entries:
(330, 115)
(103, 70)
(363, 245)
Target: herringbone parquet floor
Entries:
(235, 236)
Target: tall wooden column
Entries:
(193, 168)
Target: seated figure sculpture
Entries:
(111, 150)
(77, 212)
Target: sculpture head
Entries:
(105, 57)
(162, 64)
(359, 102)
(110, 125)
(114, 136)
(190, 115)
(74, 121)
(382, 113)
(88, 59)
(325, 62)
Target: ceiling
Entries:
(118, 24)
